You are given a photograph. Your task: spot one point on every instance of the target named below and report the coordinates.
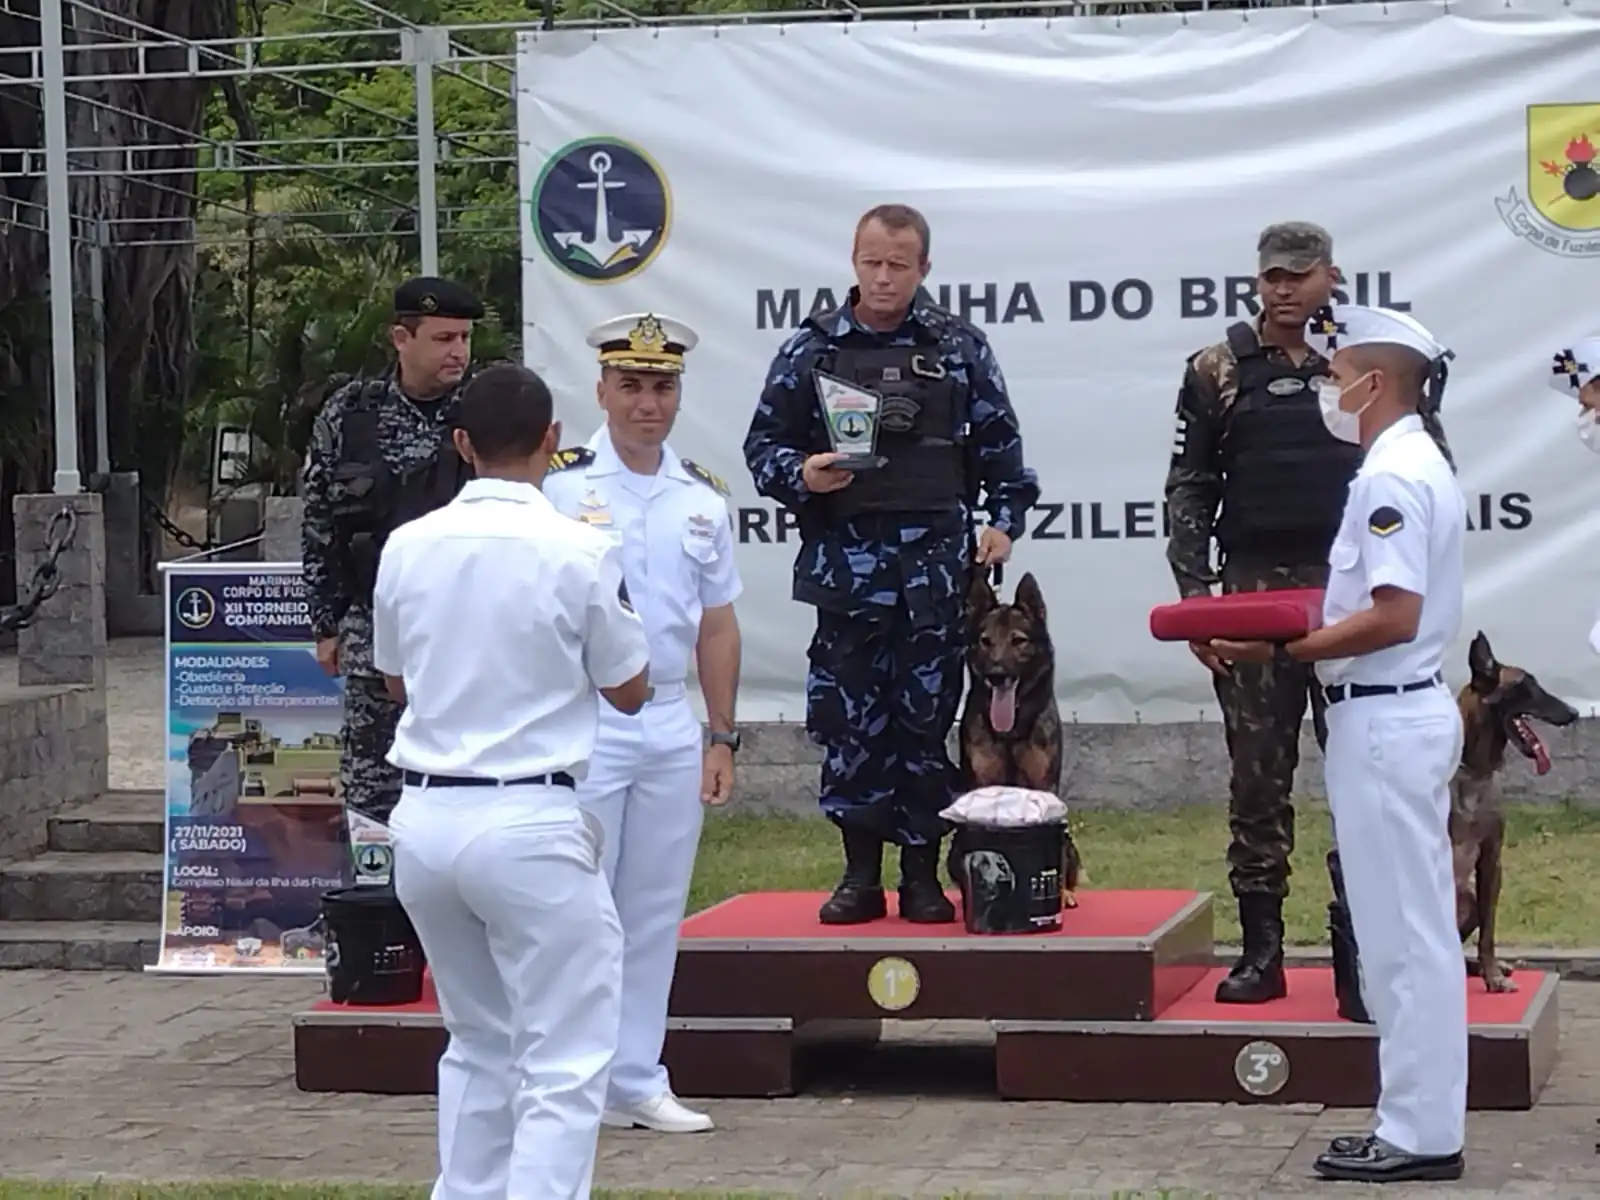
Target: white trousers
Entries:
(505, 891)
(644, 788)
(1389, 763)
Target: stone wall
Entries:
(1154, 767)
(52, 754)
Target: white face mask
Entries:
(1589, 428)
(1346, 426)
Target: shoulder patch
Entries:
(1385, 520)
(577, 456)
(1210, 360)
(714, 482)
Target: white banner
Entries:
(1095, 189)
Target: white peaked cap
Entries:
(1346, 325)
(643, 342)
(1573, 367)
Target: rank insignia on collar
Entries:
(1385, 520)
(1567, 364)
(565, 460)
(713, 482)
(1323, 324)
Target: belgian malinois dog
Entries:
(1011, 727)
(1497, 706)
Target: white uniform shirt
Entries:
(503, 618)
(676, 540)
(1403, 526)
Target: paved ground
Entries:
(151, 1077)
(134, 711)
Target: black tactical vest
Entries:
(371, 500)
(1285, 477)
(918, 423)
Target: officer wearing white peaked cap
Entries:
(650, 775)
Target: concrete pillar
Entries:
(124, 555)
(238, 517)
(66, 643)
(280, 543)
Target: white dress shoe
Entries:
(664, 1114)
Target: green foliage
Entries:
(297, 267)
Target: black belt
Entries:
(1358, 691)
(554, 779)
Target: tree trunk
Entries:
(147, 326)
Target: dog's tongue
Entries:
(1541, 756)
(1003, 706)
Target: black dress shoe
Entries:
(1350, 1144)
(1371, 1160)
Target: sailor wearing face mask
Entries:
(1391, 610)
(1576, 373)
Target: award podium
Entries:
(1116, 1006)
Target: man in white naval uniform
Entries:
(1392, 611)
(496, 863)
(1576, 375)
(649, 775)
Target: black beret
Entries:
(427, 296)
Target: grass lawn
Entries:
(25, 1190)
(1550, 896)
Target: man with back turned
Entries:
(1252, 443)
(885, 552)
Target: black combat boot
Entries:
(1258, 975)
(1342, 941)
(922, 897)
(859, 896)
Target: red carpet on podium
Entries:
(1311, 1000)
(1106, 914)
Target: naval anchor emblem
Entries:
(602, 210)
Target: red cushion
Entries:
(1276, 616)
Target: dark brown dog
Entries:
(1011, 727)
(1496, 707)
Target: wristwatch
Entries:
(730, 739)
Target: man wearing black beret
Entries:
(380, 455)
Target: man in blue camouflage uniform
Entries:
(885, 553)
(380, 454)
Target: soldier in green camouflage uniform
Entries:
(380, 455)
(1251, 443)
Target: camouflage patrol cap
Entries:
(1294, 246)
(428, 296)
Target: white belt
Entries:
(665, 693)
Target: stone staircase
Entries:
(91, 901)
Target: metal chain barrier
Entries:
(184, 538)
(46, 576)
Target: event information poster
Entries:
(255, 830)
